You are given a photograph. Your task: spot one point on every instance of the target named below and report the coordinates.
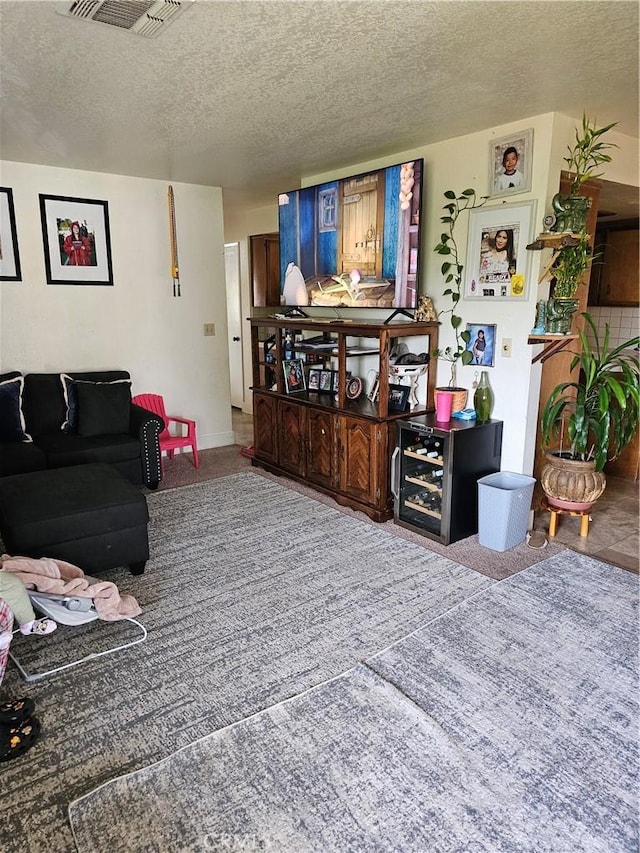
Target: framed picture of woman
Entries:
(497, 258)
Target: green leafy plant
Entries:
(588, 153)
(452, 271)
(569, 268)
(597, 415)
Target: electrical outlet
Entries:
(209, 330)
(506, 347)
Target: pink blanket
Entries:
(60, 578)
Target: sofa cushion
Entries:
(12, 423)
(44, 406)
(63, 449)
(103, 409)
(20, 457)
(70, 394)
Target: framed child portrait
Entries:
(510, 164)
(497, 259)
(482, 343)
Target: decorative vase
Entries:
(570, 483)
(483, 398)
(559, 315)
(571, 212)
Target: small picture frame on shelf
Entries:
(398, 398)
(294, 379)
(314, 379)
(326, 381)
(335, 380)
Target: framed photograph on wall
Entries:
(510, 164)
(482, 343)
(497, 259)
(9, 254)
(77, 242)
(294, 375)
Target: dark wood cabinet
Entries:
(340, 446)
(264, 259)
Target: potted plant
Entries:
(589, 421)
(452, 271)
(568, 271)
(585, 158)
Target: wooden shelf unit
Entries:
(339, 446)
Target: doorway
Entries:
(234, 314)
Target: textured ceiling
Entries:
(250, 95)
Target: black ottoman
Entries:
(88, 515)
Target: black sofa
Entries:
(129, 442)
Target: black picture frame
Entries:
(314, 379)
(79, 256)
(9, 252)
(398, 397)
(294, 378)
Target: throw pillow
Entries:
(69, 386)
(103, 408)
(12, 425)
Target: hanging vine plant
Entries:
(452, 271)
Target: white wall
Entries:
(136, 325)
(239, 225)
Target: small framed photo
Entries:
(510, 164)
(497, 258)
(326, 381)
(9, 254)
(294, 375)
(398, 398)
(482, 343)
(314, 379)
(77, 241)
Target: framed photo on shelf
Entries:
(326, 381)
(497, 259)
(482, 343)
(510, 164)
(294, 375)
(77, 241)
(398, 397)
(314, 379)
(9, 254)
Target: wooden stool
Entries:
(556, 511)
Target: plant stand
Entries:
(585, 518)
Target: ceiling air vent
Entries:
(143, 17)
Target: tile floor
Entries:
(613, 531)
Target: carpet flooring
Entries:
(508, 723)
(253, 594)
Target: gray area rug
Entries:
(508, 723)
(253, 594)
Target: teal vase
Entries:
(483, 399)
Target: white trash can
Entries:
(504, 502)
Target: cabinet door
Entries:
(291, 437)
(265, 269)
(619, 272)
(321, 446)
(361, 453)
(265, 432)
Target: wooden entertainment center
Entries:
(340, 446)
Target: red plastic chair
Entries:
(169, 442)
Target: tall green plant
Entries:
(588, 153)
(452, 271)
(570, 267)
(598, 413)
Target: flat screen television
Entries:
(364, 230)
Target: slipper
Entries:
(14, 742)
(536, 539)
(19, 709)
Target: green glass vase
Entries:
(483, 399)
